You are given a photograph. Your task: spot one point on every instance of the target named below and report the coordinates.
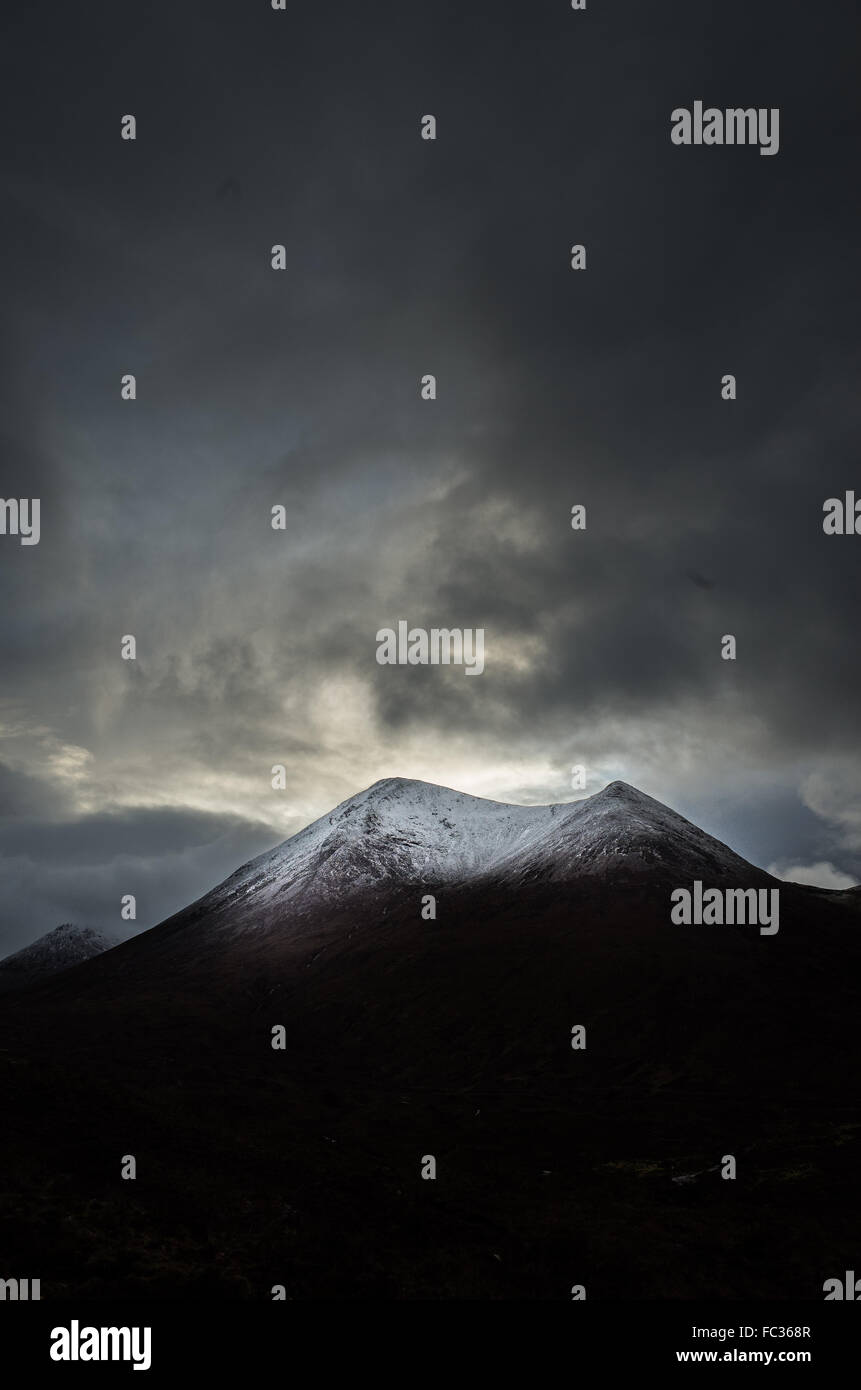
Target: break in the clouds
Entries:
(816, 875)
(301, 388)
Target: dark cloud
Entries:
(164, 858)
(23, 796)
(256, 647)
(121, 833)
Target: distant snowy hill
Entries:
(65, 946)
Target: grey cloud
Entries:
(257, 646)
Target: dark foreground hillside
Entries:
(406, 1038)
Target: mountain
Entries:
(402, 837)
(408, 832)
(57, 950)
(407, 1034)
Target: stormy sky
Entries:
(302, 388)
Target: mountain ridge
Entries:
(328, 889)
(402, 829)
(341, 883)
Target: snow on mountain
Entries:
(65, 946)
(411, 832)
(621, 831)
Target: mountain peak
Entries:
(65, 946)
(404, 832)
(392, 785)
(414, 789)
(624, 791)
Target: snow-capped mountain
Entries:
(60, 949)
(373, 856)
(408, 832)
(343, 883)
